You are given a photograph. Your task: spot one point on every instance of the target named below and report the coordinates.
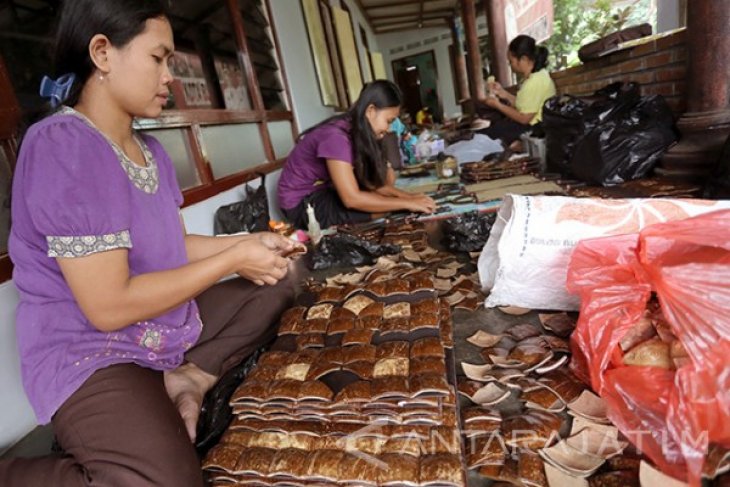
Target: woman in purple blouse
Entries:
(338, 167)
(114, 350)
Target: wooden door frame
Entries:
(439, 100)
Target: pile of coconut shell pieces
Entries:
(528, 421)
(418, 268)
(358, 388)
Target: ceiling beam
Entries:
(420, 14)
(365, 14)
(394, 24)
(396, 3)
(433, 14)
(405, 29)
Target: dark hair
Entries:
(119, 20)
(370, 168)
(523, 45)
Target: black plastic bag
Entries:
(718, 186)
(567, 119)
(468, 232)
(250, 215)
(625, 146)
(343, 249)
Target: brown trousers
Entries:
(121, 429)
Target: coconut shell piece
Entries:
(391, 366)
(310, 340)
(543, 399)
(255, 461)
(559, 323)
(342, 313)
(397, 469)
(553, 362)
(324, 465)
(274, 359)
(320, 311)
(514, 310)
(488, 450)
(287, 390)
(455, 298)
(357, 337)
(533, 430)
(522, 331)
(361, 368)
(470, 303)
(641, 331)
(315, 325)
(481, 428)
(377, 288)
(428, 365)
(652, 477)
(340, 325)
(293, 371)
(481, 373)
(250, 390)
(394, 287)
(263, 374)
(333, 294)
(223, 456)
(291, 327)
(390, 387)
(531, 469)
(420, 282)
(482, 339)
(558, 478)
(423, 321)
(589, 406)
(571, 461)
(580, 423)
(618, 478)
(563, 383)
(428, 384)
(427, 347)
(397, 310)
(395, 325)
(357, 353)
(468, 388)
(357, 303)
(289, 462)
(490, 395)
(596, 443)
(292, 314)
(651, 353)
(355, 392)
(441, 469)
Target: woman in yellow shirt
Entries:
(524, 109)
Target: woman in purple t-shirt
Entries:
(337, 166)
(114, 350)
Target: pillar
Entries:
(706, 124)
(474, 61)
(498, 42)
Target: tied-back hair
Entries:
(523, 45)
(119, 20)
(369, 165)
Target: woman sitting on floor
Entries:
(337, 166)
(525, 109)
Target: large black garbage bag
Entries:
(468, 232)
(250, 215)
(567, 119)
(718, 186)
(344, 249)
(626, 145)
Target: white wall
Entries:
(398, 45)
(297, 57)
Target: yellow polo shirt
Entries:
(533, 93)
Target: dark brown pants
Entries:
(121, 429)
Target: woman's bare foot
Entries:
(186, 387)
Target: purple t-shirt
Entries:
(75, 194)
(305, 170)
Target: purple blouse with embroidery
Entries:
(75, 194)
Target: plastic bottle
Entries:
(313, 229)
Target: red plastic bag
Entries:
(672, 416)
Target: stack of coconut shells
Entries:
(358, 388)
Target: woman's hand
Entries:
(496, 89)
(260, 259)
(420, 203)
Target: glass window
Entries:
(233, 148)
(176, 144)
(281, 138)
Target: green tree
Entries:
(578, 22)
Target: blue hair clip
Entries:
(57, 90)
